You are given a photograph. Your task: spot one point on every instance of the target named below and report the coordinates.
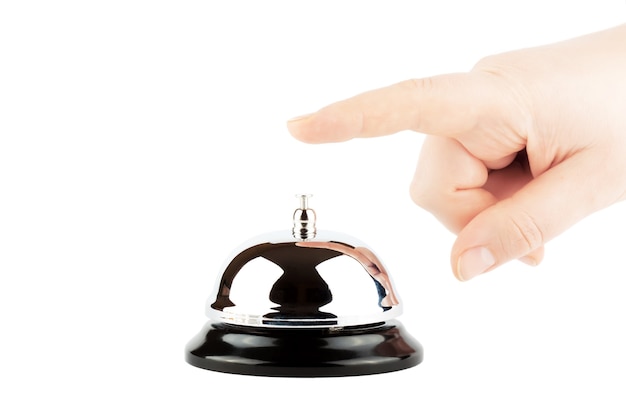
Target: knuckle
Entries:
(526, 234)
(488, 63)
(422, 194)
(422, 84)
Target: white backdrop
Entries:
(141, 141)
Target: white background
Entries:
(140, 142)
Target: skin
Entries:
(517, 150)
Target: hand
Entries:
(520, 148)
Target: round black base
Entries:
(347, 351)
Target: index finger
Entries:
(444, 105)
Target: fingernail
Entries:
(298, 118)
(529, 260)
(474, 262)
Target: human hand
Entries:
(520, 148)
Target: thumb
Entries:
(519, 226)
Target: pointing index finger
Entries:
(440, 105)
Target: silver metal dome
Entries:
(303, 279)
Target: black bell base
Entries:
(347, 351)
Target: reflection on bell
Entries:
(304, 303)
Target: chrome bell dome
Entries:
(304, 284)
